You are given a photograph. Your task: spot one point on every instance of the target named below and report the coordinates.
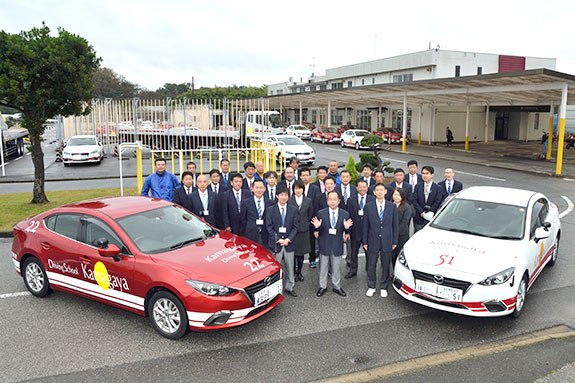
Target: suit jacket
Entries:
(274, 222)
(246, 186)
(328, 243)
(198, 207)
(312, 191)
(318, 185)
(296, 172)
(230, 211)
(406, 188)
(320, 202)
(219, 206)
(455, 188)
(377, 235)
(369, 184)
(268, 195)
(356, 230)
(407, 178)
(352, 191)
(305, 213)
(183, 199)
(228, 183)
(284, 184)
(434, 199)
(249, 215)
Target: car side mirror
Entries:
(106, 249)
(541, 233)
(428, 215)
(546, 224)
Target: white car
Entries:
(353, 137)
(289, 146)
(299, 131)
(80, 149)
(481, 252)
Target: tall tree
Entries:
(108, 83)
(43, 76)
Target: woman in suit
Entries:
(305, 214)
(404, 214)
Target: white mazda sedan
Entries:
(81, 149)
(481, 252)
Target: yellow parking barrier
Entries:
(173, 163)
(201, 163)
(153, 157)
(210, 155)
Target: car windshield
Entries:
(164, 229)
(275, 121)
(82, 141)
(485, 219)
(291, 140)
(394, 130)
(361, 133)
(301, 128)
(330, 130)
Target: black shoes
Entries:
(321, 291)
(350, 275)
(292, 293)
(313, 264)
(299, 277)
(340, 292)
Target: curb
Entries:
(442, 358)
(6, 234)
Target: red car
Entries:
(394, 133)
(344, 128)
(150, 257)
(325, 134)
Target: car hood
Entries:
(81, 149)
(223, 259)
(332, 134)
(430, 250)
(297, 148)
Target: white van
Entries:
(267, 121)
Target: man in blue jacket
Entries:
(162, 183)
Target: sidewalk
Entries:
(521, 156)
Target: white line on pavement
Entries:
(337, 150)
(12, 295)
(479, 175)
(569, 207)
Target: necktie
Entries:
(272, 193)
(283, 216)
(381, 213)
(289, 189)
(426, 192)
(225, 178)
(449, 188)
(345, 194)
(216, 187)
(188, 191)
(412, 179)
(333, 220)
(259, 209)
(205, 200)
(361, 203)
(238, 199)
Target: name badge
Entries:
(206, 212)
(360, 212)
(282, 230)
(260, 222)
(332, 231)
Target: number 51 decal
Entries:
(445, 258)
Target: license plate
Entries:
(267, 293)
(443, 292)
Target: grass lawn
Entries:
(15, 207)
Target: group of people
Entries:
(294, 216)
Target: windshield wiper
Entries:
(466, 232)
(186, 242)
(503, 237)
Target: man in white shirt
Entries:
(226, 178)
(271, 189)
(289, 180)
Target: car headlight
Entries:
(498, 278)
(66, 153)
(94, 152)
(288, 153)
(211, 289)
(402, 260)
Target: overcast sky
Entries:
(264, 42)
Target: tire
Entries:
(323, 140)
(357, 146)
(168, 315)
(521, 297)
(35, 278)
(555, 254)
(66, 164)
(342, 144)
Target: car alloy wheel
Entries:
(35, 278)
(342, 144)
(521, 296)
(357, 146)
(323, 140)
(168, 315)
(555, 253)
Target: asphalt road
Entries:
(65, 338)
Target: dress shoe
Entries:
(350, 275)
(340, 292)
(348, 264)
(383, 293)
(313, 264)
(299, 277)
(321, 291)
(292, 293)
(370, 292)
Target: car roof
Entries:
(358, 130)
(508, 196)
(84, 136)
(117, 207)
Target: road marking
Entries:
(337, 150)
(12, 295)
(569, 207)
(568, 179)
(19, 158)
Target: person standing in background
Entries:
(405, 214)
(304, 207)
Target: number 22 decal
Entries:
(33, 226)
(255, 265)
(445, 258)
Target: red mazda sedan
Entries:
(150, 257)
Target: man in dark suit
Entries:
(345, 189)
(294, 164)
(218, 189)
(253, 215)
(379, 177)
(413, 177)
(183, 194)
(231, 205)
(204, 201)
(367, 172)
(449, 184)
(226, 176)
(332, 230)
(191, 167)
(282, 223)
(271, 187)
(250, 171)
(398, 182)
(380, 237)
(310, 191)
(321, 199)
(321, 174)
(288, 180)
(427, 196)
(355, 208)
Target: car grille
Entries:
(455, 283)
(304, 154)
(251, 290)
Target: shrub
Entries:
(351, 167)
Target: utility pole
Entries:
(192, 87)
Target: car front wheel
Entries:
(168, 315)
(35, 278)
(357, 146)
(555, 253)
(521, 295)
(342, 144)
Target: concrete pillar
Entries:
(561, 121)
(467, 127)
(300, 113)
(388, 117)
(328, 112)
(486, 123)
(550, 133)
(420, 112)
(432, 137)
(404, 120)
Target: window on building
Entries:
(536, 121)
(322, 87)
(362, 81)
(479, 70)
(403, 77)
(280, 91)
(271, 92)
(457, 70)
(373, 80)
(349, 84)
(314, 116)
(337, 85)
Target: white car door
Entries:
(537, 249)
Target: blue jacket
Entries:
(379, 235)
(162, 185)
(328, 243)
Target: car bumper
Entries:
(80, 160)
(478, 301)
(332, 139)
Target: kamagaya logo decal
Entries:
(103, 279)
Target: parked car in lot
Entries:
(395, 134)
(343, 128)
(308, 125)
(481, 252)
(151, 257)
(289, 146)
(299, 131)
(82, 149)
(325, 134)
(353, 138)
